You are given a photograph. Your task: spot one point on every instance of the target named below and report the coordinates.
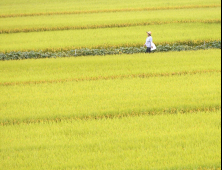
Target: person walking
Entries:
(148, 43)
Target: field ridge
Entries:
(109, 10)
(58, 28)
(114, 77)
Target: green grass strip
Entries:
(58, 53)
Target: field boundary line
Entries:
(114, 77)
(120, 25)
(108, 10)
(112, 115)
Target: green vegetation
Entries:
(180, 141)
(55, 53)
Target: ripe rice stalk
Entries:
(117, 37)
(109, 10)
(140, 82)
(42, 29)
(113, 77)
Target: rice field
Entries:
(143, 142)
(84, 21)
(97, 67)
(41, 6)
(110, 98)
(158, 111)
(66, 119)
(108, 37)
(173, 22)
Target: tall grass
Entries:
(180, 141)
(127, 36)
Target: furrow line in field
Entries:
(112, 115)
(42, 29)
(146, 75)
(108, 10)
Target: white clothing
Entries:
(149, 40)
